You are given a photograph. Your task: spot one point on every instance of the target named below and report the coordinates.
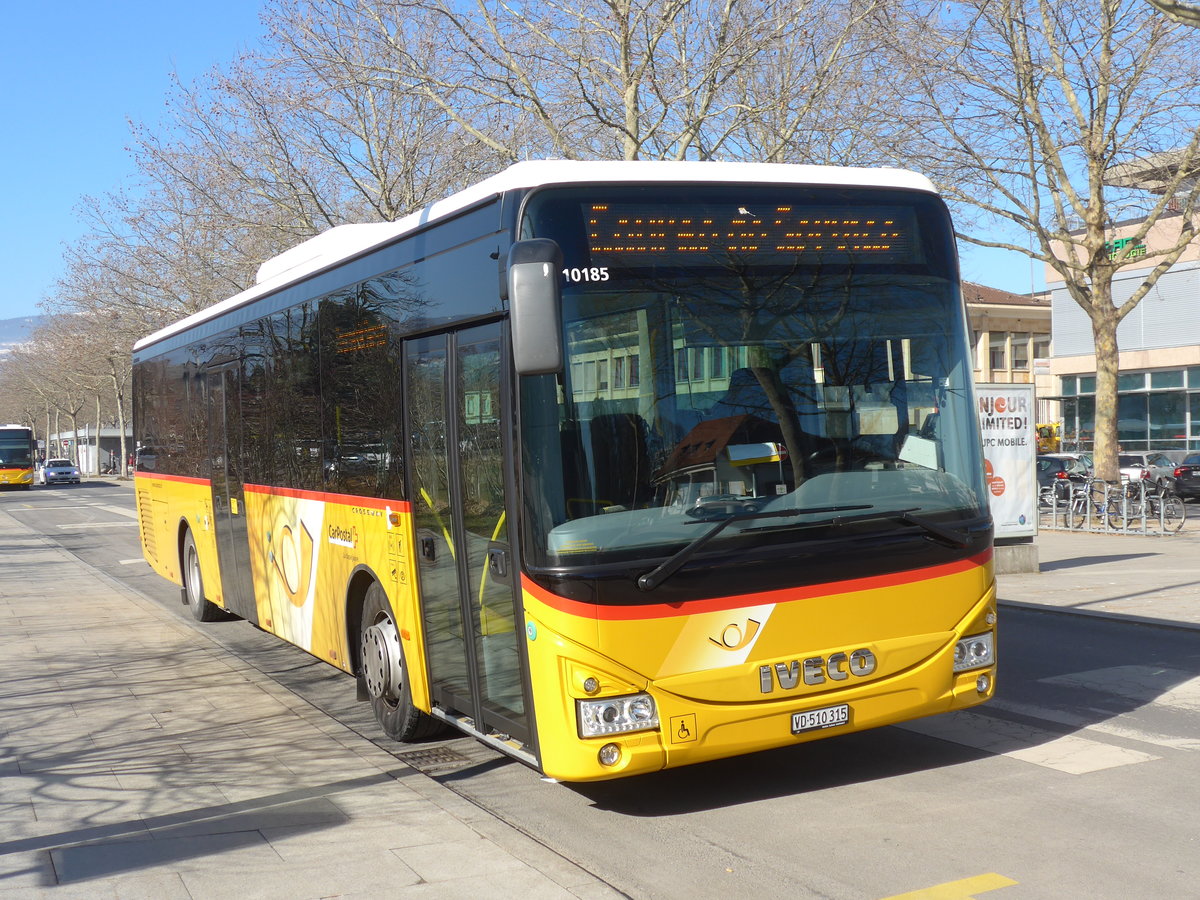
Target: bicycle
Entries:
(1093, 502)
(1151, 503)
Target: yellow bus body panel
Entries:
(705, 669)
(164, 505)
(305, 549)
(19, 477)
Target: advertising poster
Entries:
(1009, 456)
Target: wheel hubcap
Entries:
(193, 576)
(382, 666)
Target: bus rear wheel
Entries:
(385, 674)
(203, 610)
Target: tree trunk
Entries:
(124, 463)
(96, 463)
(1104, 333)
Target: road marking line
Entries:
(966, 889)
(1063, 753)
(119, 510)
(1159, 685)
(1090, 723)
(131, 562)
(100, 525)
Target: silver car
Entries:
(58, 471)
(1150, 466)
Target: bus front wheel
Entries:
(385, 674)
(203, 610)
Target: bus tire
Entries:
(203, 610)
(385, 674)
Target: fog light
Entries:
(591, 685)
(982, 683)
(610, 755)
(974, 652)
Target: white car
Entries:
(57, 471)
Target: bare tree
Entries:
(1184, 13)
(1029, 110)
(625, 79)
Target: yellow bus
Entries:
(16, 456)
(615, 466)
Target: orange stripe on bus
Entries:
(182, 479)
(784, 595)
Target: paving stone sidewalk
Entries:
(139, 759)
(1136, 577)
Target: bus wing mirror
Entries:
(535, 306)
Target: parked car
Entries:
(1148, 466)
(57, 471)
(1059, 471)
(1085, 458)
(1187, 476)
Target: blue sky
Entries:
(75, 73)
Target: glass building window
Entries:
(1135, 381)
(1070, 435)
(1020, 350)
(1132, 425)
(1070, 386)
(1041, 346)
(1168, 426)
(717, 363)
(1087, 422)
(1173, 379)
(998, 351)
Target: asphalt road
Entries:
(1082, 778)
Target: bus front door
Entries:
(229, 503)
(456, 399)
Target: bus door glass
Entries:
(229, 502)
(469, 605)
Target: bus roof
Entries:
(342, 242)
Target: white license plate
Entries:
(816, 719)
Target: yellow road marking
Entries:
(958, 890)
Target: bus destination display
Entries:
(623, 235)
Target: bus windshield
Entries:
(788, 358)
(15, 448)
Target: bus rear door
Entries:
(229, 501)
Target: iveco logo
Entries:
(816, 670)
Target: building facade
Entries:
(1159, 343)
(1012, 342)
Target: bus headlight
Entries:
(974, 652)
(616, 715)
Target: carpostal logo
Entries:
(343, 537)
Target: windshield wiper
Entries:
(950, 536)
(661, 573)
